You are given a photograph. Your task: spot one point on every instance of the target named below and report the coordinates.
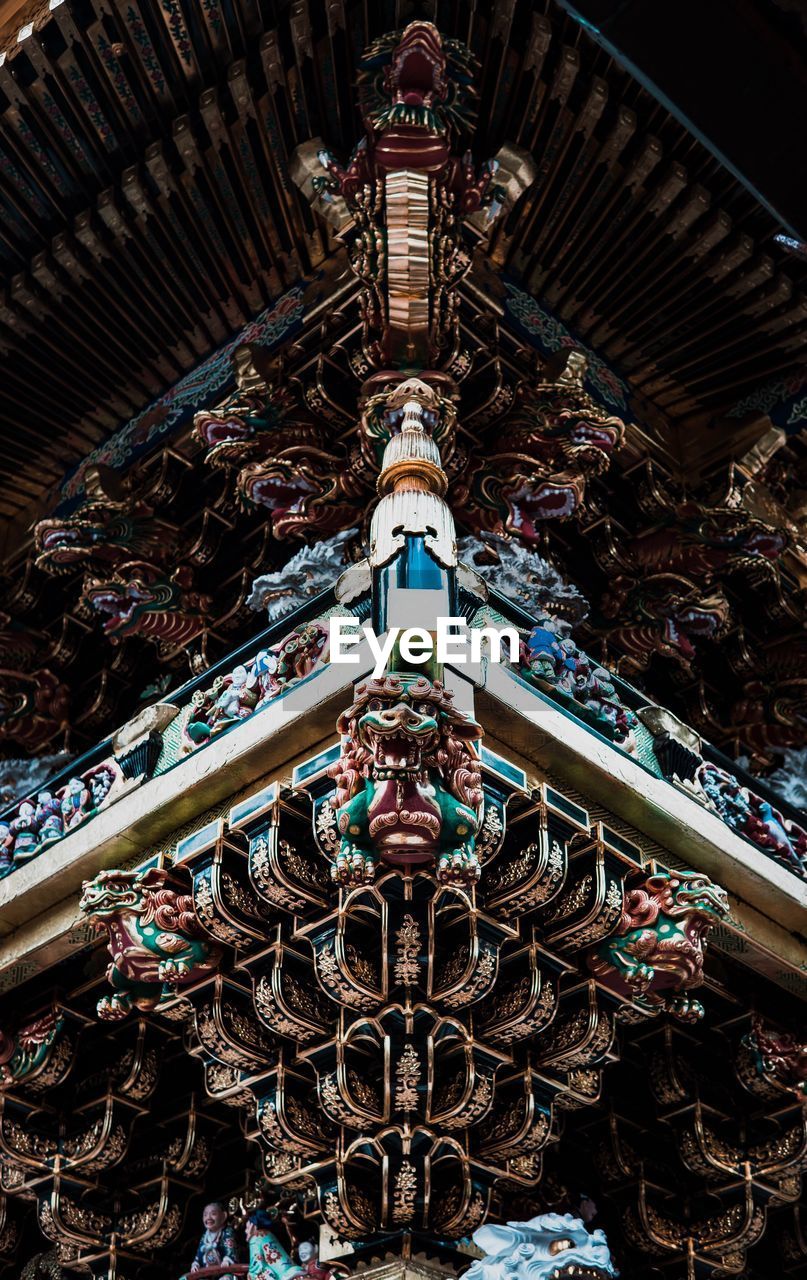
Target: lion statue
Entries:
(155, 939)
(659, 943)
(408, 785)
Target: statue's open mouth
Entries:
(59, 538)
(417, 77)
(675, 637)
(109, 602)
(603, 438)
(398, 751)
(577, 1271)
(281, 494)
(419, 66)
(223, 431)
(767, 544)
(530, 506)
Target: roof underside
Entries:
(147, 212)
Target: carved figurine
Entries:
(659, 943)
(25, 1052)
(778, 1056)
(76, 803)
(155, 940)
(753, 817)
(414, 102)
(218, 1245)
(408, 786)
(24, 829)
(551, 659)
(6, 849)
(234, 698)
(310, 1265)
(552, 1246)
(251, 686)
(298, 654)
(268, 1260)
(48, 818)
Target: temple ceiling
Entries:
(148, 214)
(154, 227)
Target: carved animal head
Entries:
(663, 613)
(33, 707)
(112, 892)
(552, 1246)
(416, 74)
(512, 494)
(741, 535)
(139, 599)
(523, 576)
(383, 412)
(309, 571)
(108, 526)
(561, 420)
(298, 487)
(402, 725)
(778, 1054)
(704, 618)
(688, 894)
(228, 434)
(533, 498)
(147, 894)
(415, 79)
(63, 542)
(239, 430)
(398, 733)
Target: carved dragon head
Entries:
(552, 1246)
(416, 80)
(663, 613)
(108, 526)
(300, 487)
(138, 599)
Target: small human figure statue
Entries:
(24, 831)
(265, 668)
(219, 1243)
(236, 700)
(268, 1260)
(310, 1265)
(76, 804)
(48, 818)
(6, 849)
